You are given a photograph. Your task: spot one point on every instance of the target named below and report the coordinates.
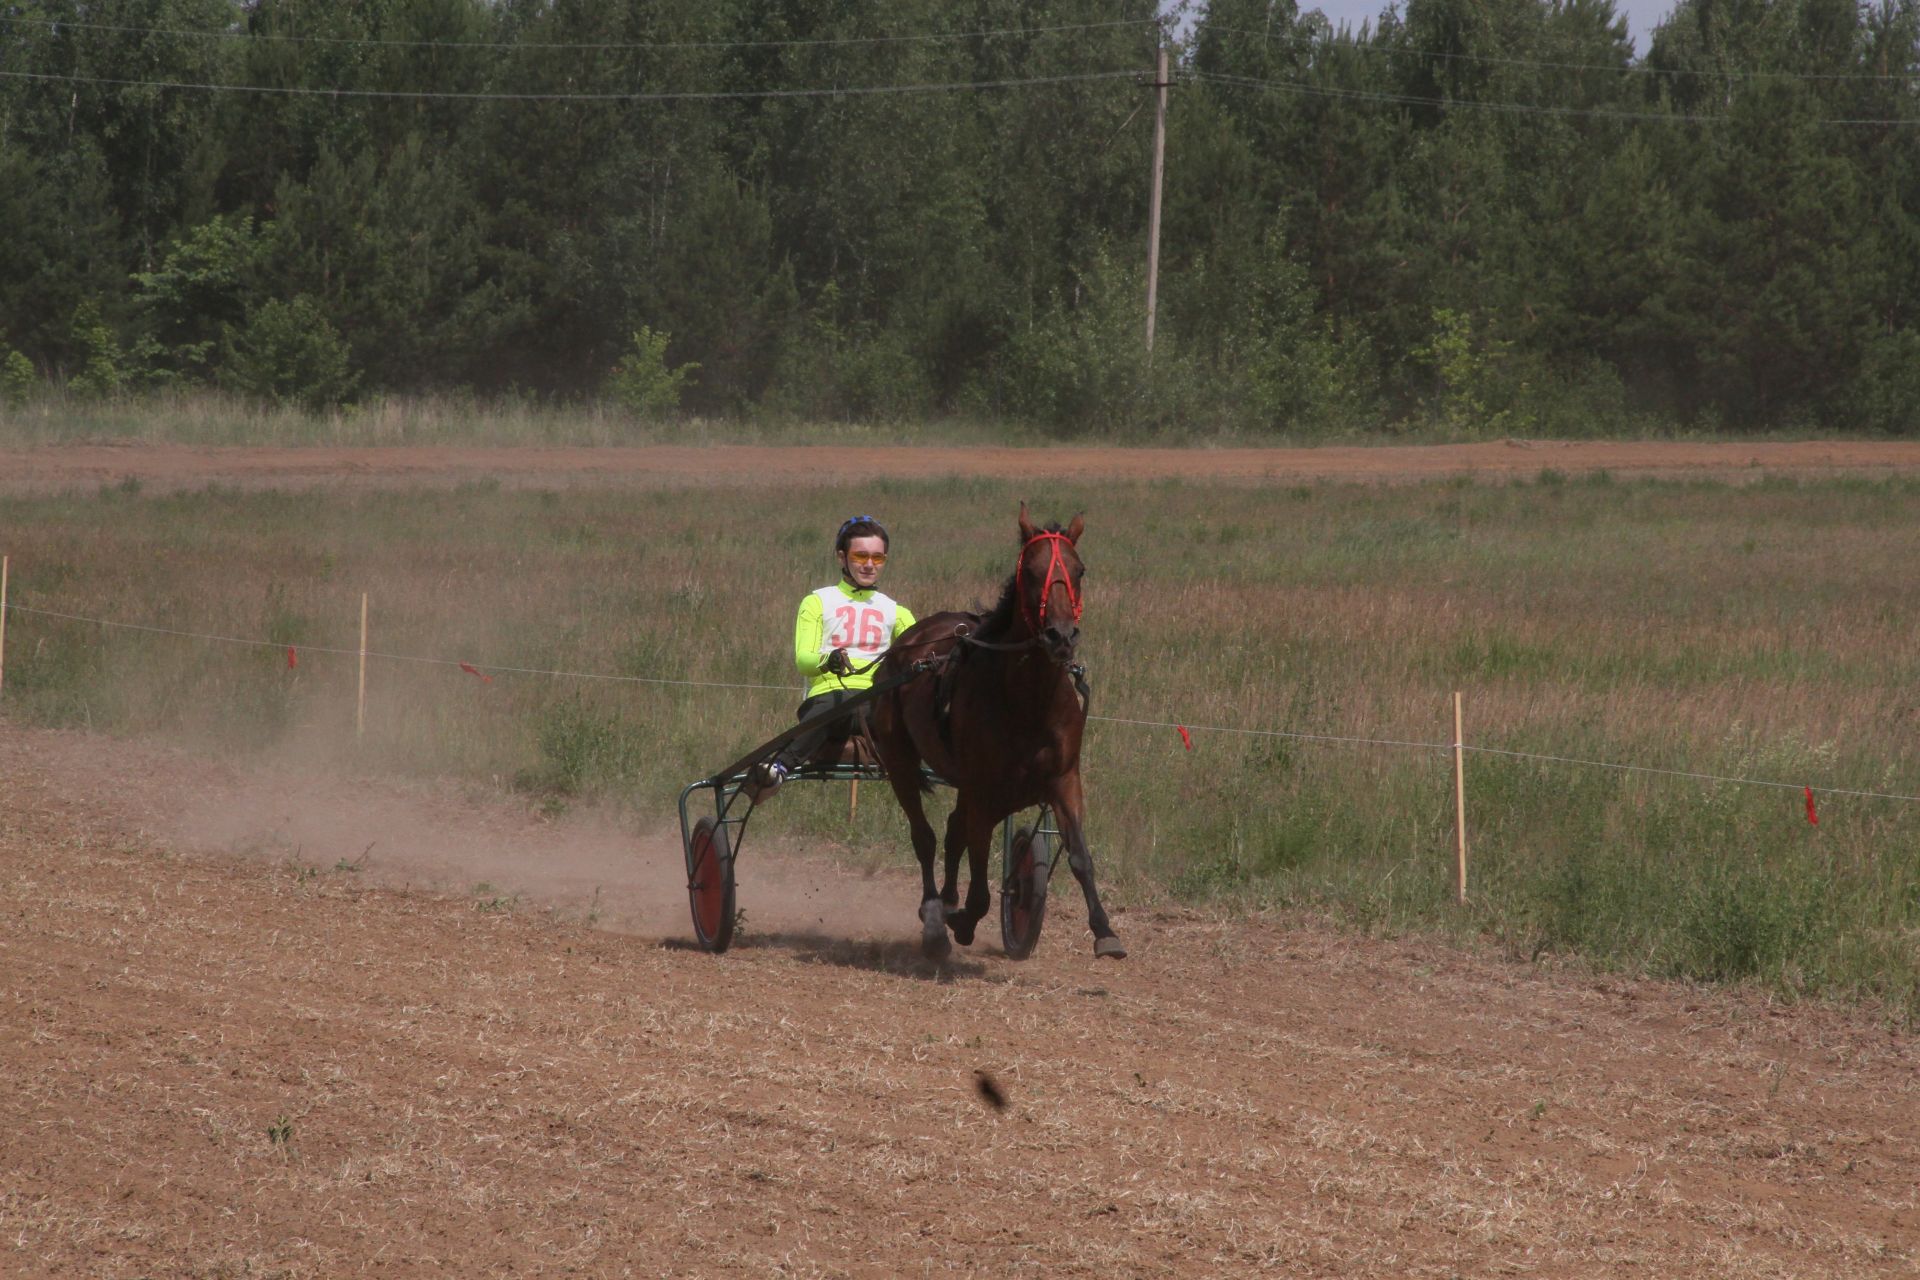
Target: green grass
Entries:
(1764, 630)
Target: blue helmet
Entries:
(860, 527)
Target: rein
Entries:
(968, 638)
(963, 634)
(1034, 619)
(1077, 670)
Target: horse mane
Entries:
(997, 621)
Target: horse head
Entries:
(1047, 580)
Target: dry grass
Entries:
(208, 417)
(1761, 629)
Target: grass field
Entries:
(1765, 630)
(203, 416)
(207, 417)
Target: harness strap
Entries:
(1037, 618)
(968, 638)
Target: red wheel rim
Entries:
(708, 888)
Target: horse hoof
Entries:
(1111, 948)
(963, 931)
(934, 944)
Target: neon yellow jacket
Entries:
(864, 623)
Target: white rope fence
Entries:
(1290, 735)
(392, 657)
(1698, 777)
(1458, 748)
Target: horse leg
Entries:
(897, 756)
(933, 923)
(1069, 807)
(956, 837)
(979, 836)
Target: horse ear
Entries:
(1075, 528)
(1027, 531)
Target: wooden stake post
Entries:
(3, 622)
(1460, 796)
(360, 707)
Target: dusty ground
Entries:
(231, 1043)
(267, 1022)
(163, 467)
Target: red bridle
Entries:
(1036, 619)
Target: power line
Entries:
(692, 95)
(1517, 108)
(652, 45)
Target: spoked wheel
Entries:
(710, 885)
(1023, 895)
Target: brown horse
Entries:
(1002, 722)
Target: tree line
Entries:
(1488, 215)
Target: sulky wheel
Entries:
(710, 885)
(1023, 897)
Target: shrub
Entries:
(851, 369)
(287, 353)
(17, 378)
(1886, 395)
(1081, 364)
(879, 379)
(1484, 390)
(1298, 375)
(104, 372)
(196, 292)
(643, 382)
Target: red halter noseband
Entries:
(1036, 619)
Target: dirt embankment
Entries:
(166, 467)
(232, 1042)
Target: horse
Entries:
(1002, 721)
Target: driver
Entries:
(838, 638)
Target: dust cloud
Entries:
(459, 839)
(589, 865)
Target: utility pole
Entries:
(1153, 209)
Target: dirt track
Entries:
(217, 1062)
(259, 1022)
(165, 467)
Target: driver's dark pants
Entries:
(802, 749)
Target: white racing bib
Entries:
(864, 628)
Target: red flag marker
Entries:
(293, 659)
(1185, 736)
(1813, 815)
(472, 670)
